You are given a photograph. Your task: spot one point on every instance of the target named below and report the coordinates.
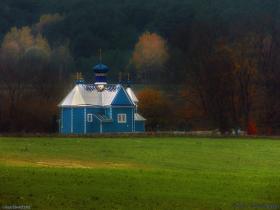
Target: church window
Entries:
(121, 118)
(89, 118)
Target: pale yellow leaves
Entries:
(19, 41)
(48, 19)
(151, 50)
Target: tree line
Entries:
(210, 65)
(33, 77)
(230, 85)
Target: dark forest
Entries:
(215, 63)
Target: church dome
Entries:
(100, 68)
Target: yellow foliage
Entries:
(244, 54)
(150, 98)
(19, 41)
(11, 48)
(48, 19)
(151, 50)
(25, 37)
(42, 43)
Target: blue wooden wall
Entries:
(65, 121)
(94, 126)
(79, 120)
(139, 126)
(120, 127)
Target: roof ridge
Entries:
(87, 94)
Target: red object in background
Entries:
(252, 128)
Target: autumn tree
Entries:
(149, 56)
(212, 81)
(47, 20)
(269, 77)
(15, 44)
(155, 107)
(30, 71)
(220, 89)
(189, 112)
(245, 53)
(225, 78)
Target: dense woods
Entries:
(204, 64)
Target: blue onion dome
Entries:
(101, 68)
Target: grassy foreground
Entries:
(140, 173)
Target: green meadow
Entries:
(140, 173)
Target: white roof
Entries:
(87, 95)
(138, 117)
(132, 95)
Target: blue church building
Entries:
(100, 107)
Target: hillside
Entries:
(116, 25)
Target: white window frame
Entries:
(89, 118)
(122, 118)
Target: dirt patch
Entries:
(58, 163)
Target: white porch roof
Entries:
(138, 117)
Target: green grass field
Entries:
(140, 173)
